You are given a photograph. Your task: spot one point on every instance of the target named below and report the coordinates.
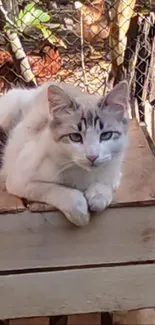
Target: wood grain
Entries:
(9, 203)
(85, 319)
(149, 118)
(48, 240)
(135, 317)
(77, 291)
(30, 321)
(138, 183)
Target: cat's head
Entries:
(89, 130)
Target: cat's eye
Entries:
(106, 136)
(75, 137)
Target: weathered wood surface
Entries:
(9, 203)
(49, 241)
(77, 291)
(85, 319)
(136, 317)
(138, 183)
(30, 321)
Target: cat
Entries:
(64, 147)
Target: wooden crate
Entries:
(49, 267)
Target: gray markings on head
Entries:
(91, 120)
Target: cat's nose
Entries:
(92, 158)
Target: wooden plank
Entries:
(138, 317)
(30, 321)
(85, 319)
(149, 118)
(48, 240)
(9, 202)
(138, 183)
(106, 318)
(58, 320)
(77, 291)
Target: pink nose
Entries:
(92, 158)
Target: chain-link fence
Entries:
(92, 44)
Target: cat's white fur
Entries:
(43, 166)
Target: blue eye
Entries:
(106, 136)
(75, 137)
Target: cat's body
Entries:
(64, 147)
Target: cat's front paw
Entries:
(98, 197)
(76, 210)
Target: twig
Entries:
(20, 56)
(82, 52)
(5, 14)
(21, 60)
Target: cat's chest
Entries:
(79, 178)
(73, 177)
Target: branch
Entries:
(4, 12)
(20, 57)
(21, 60)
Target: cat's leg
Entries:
(39, 207)
(99, 196)
(70, 202)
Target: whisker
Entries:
(106, 158)
(63, 169)
(57, 174)
(77, 162)
(84, 167)
(66, 162)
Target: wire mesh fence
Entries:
(92, 44)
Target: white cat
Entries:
(64, 147)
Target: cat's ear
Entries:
(119, 95)
(59, 101)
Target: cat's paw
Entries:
(98, 197)
(77, 209)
